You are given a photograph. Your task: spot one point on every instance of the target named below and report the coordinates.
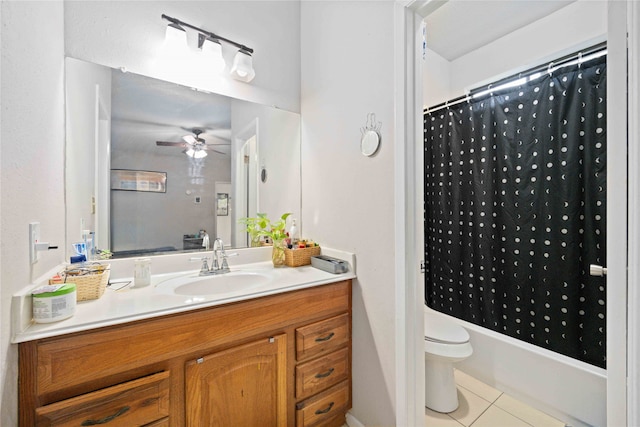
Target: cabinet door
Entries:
(242, 386)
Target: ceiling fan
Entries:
(194, 145)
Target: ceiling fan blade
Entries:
(190, 139)
(209, 147)
(170, 144)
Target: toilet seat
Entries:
(442, 331)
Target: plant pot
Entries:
(277, 254)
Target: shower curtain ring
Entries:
(579, 59)
(549, 71)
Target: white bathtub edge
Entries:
(567, 389)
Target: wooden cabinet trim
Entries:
(66, 362)
(323, 336)
(88, 362)
(136, 402)
(244, 371)
(324, 406)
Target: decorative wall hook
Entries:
(370, 140)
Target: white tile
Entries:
(478, 387)
(436, 419)
(471, 406)
(496, 417)
(526, 413)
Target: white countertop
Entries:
(121, 304)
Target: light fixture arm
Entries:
(206, 33)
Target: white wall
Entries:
(436, 86)
(35, 37)
(347, 72)
(578, 25)
(278, 152)
(131, 34)
(146, 220)
(32, 160)
(81, 131)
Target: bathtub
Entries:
(572, 391)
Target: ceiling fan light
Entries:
(242, 68)
(190, 152)
(212, 52)
(199, 154)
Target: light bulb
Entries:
(242, 68)
(175, 37)
(199, 154)
(212, 55)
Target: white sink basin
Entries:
(194, 285)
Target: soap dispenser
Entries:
(293, 233)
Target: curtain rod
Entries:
(558, 63)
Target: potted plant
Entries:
(254, 226)
(262, 226)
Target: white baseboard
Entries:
(353, 421)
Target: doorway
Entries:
(616, 18)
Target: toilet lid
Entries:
(441, 330)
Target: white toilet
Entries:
(444, 343)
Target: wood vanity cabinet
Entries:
(280, 360)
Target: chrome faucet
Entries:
(219, 263)
(219, 253)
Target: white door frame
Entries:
(633, 328)
(622, 406)
(408, 158)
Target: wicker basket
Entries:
(299, 257)
(90, 285)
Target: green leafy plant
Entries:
(102, 254)
(262, 226)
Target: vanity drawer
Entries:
(321, 408)
(160, 423)
(322, 373)
(323, 336)
(136, 402)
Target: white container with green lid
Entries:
(54, 302)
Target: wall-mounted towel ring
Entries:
(370, 141)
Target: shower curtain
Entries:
(515, 211)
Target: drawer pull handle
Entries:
(106, 419)
(325, 374)
(327, 338)
(324, 411)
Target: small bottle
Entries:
(293, 233)
(88, 244)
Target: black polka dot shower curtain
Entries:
(515, 211)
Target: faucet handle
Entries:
(225, 264)
(205, 266)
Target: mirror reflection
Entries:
(154, 167)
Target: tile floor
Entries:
(484, 406)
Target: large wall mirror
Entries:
(152, 165)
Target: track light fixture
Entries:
(209, 44)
